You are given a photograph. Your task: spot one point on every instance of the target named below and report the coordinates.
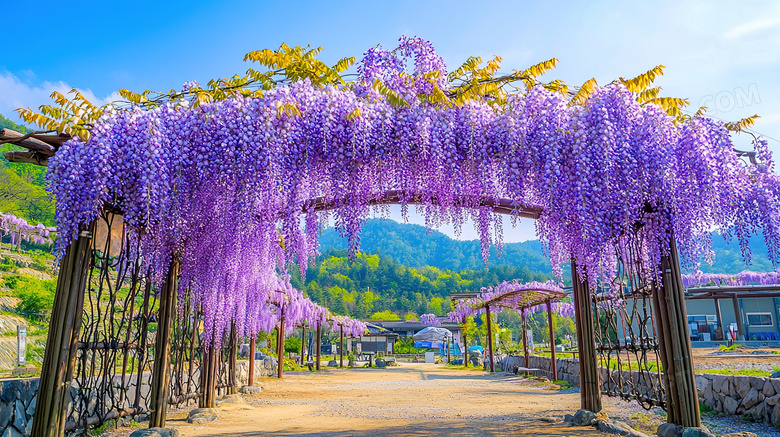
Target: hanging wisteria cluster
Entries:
(237, 188)
(20, 230)
(698, 279)
(429, 320)
(350, 327)
(513, 295)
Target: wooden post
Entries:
(208, 374)
(490, 339)
(738, 316)
(552, 340)
(280, 340)
(161, 371)
(465, 345)
(526, 355)
(232, 359)
(60, 354)
(590, 390)
(319, 344)
(680, 382)
(251, 381)
(720, 319)
(341, 348)
(303, 344)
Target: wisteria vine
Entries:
(235, 188)
(20, 230)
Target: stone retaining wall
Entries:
(758, 397)
(263, 368)
(17, 404)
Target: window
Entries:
(759, 319)
(700, 318)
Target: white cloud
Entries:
(752, 27)
(16, 93)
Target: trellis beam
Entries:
(60, 354)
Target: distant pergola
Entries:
(520, 300)
(733, 293)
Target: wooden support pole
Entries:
(490, 339)
(161, 370)
(526, 355)
(341, 348)
(232, 359)
(252, 346)
(60, 354)
(280, 340)
(303, 345)
(720, 319)
(319, 344)
(465, 345)
(552, 340)
(209, 376)
(738, 316)
(681, 393)
(590, 390)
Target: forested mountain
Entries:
(373, 283)
(416, 246)
(22, 186)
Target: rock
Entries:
(548, 419)
(775, 374)
(740, 434)
(31, 407)
(750, 399)
(584, 418)
(155, 432)
(742, 385)
(617, 427)
(774, 400)
(230, 400)
(11, 432)
(768, 389)
(696, 432)
(6, 412)
(730, 405)
(776, 416)
(381, 362)
(776, 384)
(20, 418)
(568, 419)
(203, 415)
(717, 382)
(250, 389)
(668, 430)
(332, 363)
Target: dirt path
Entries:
(413, 399)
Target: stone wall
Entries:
(729, 394)
(17, 404)
(263, 368)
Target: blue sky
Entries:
(717, 54)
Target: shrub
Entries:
(37, 296)
(292, 344)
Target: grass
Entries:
(563, 384)
(462, 367)
(732, 348)
(741, 372)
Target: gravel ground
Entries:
(420, 400)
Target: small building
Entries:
(406, 328)
(751, 311)
(378, 340)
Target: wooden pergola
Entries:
(520, 300)
(58, 363)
